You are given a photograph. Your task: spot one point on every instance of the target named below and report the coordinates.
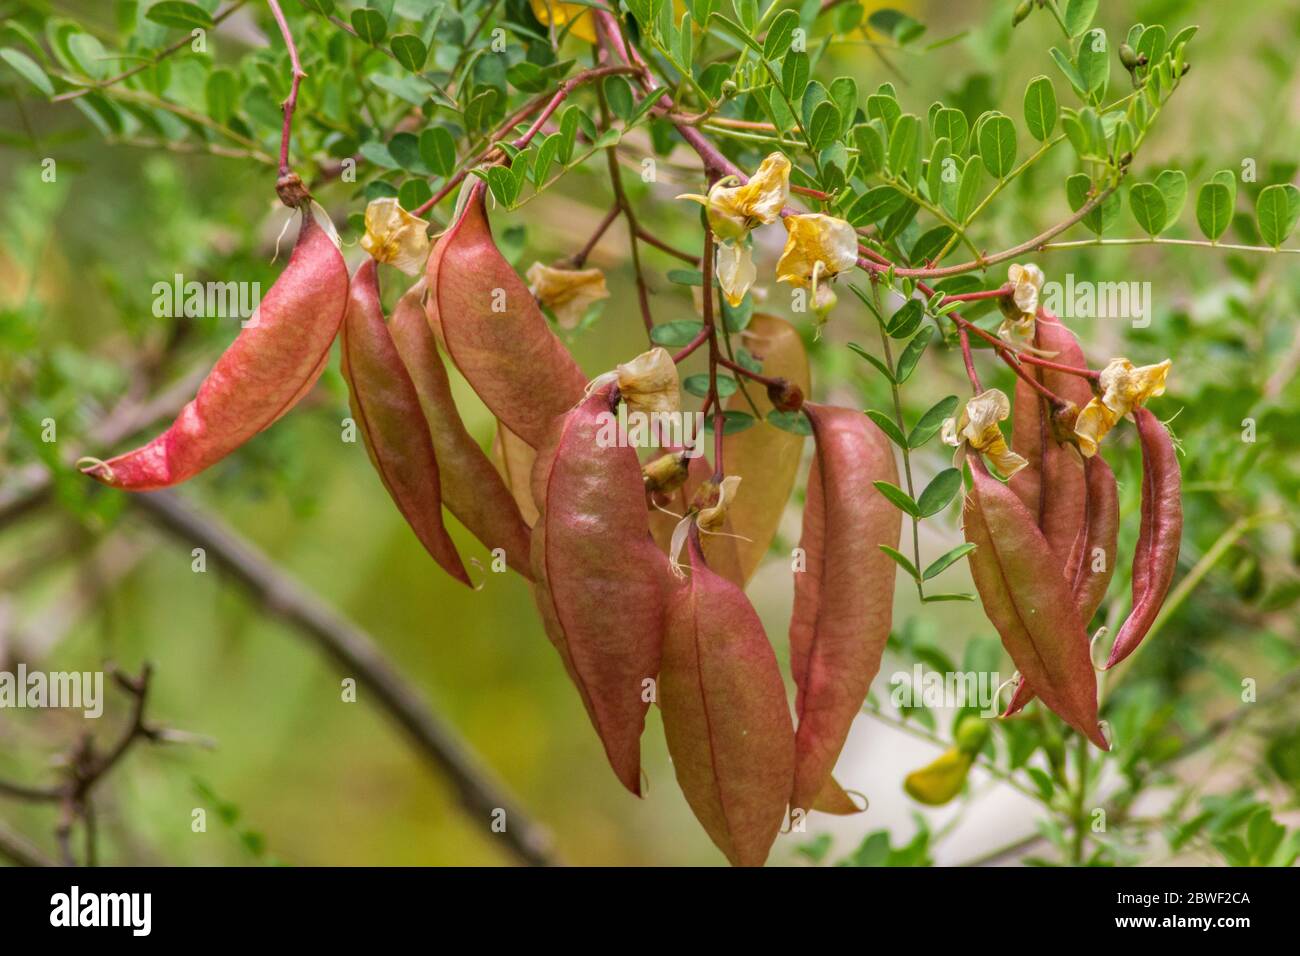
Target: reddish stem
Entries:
(691, 346)
(649, 238)
(579, 258)
(289, 105)
(548, 105)
(741, 370)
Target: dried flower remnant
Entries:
(978, 429)
(713, 516)
(649, 383)
(1123, 387)
(568, 293)
(395, 237)
(1021, 308)
(667, 473)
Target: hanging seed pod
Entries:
(1027, 599)
(1091, 563)
(843, 601)
(493, 330)
(764, 456)
(725, 714)
(601, 582)
(1160, 534)
(388, 414)
(514, 459)
(1075, 504)
(275, 360)
(472, 489)
(1052, 483)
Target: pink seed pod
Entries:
(273, 362)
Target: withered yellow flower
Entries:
(394, 236)
(817, 247)
(1021, 309)
(649, 383)
(1123, 387)
(977, 428)
(709, 517)
(734, 265)
(568, 293)
(1028, 281)
(734, 210)
(550, 11)
(713, 517)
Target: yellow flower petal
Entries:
(394, 236)
(816, 238)
(649, 383)
(566, 292)
(734, 264)
(1123, 388)
(978, 428)
(734, 210)
(1092, 425)
(547, 11)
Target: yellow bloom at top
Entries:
(734, 210)
(394, 236)
(550, 11)
(978, 429)
(1123, 387)
(566, 292)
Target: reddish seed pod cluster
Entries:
(1061, 511)
(638, 569)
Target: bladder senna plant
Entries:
(638, 552)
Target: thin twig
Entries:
(281, 595)
(151, 62)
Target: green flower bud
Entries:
(972, 734)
